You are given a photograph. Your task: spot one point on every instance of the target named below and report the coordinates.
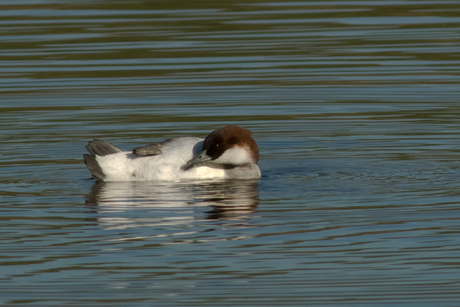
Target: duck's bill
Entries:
(201, 158)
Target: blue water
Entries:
(354, 105)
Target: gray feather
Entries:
(149, 150)
(93, 166)
(99, 147)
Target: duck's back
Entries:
(167, 165)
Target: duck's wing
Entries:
(94, 167)
(150, 150)
(99, 147)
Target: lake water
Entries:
(354, 105)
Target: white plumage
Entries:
(229, 152)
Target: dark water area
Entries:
(354, 105)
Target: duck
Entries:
(228, 152)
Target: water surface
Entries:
(354, 105)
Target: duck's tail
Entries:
(96, 148)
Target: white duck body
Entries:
(176, 159)
(125, 166)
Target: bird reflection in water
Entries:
(231, 200)
(127, 204)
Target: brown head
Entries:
(228, 145)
